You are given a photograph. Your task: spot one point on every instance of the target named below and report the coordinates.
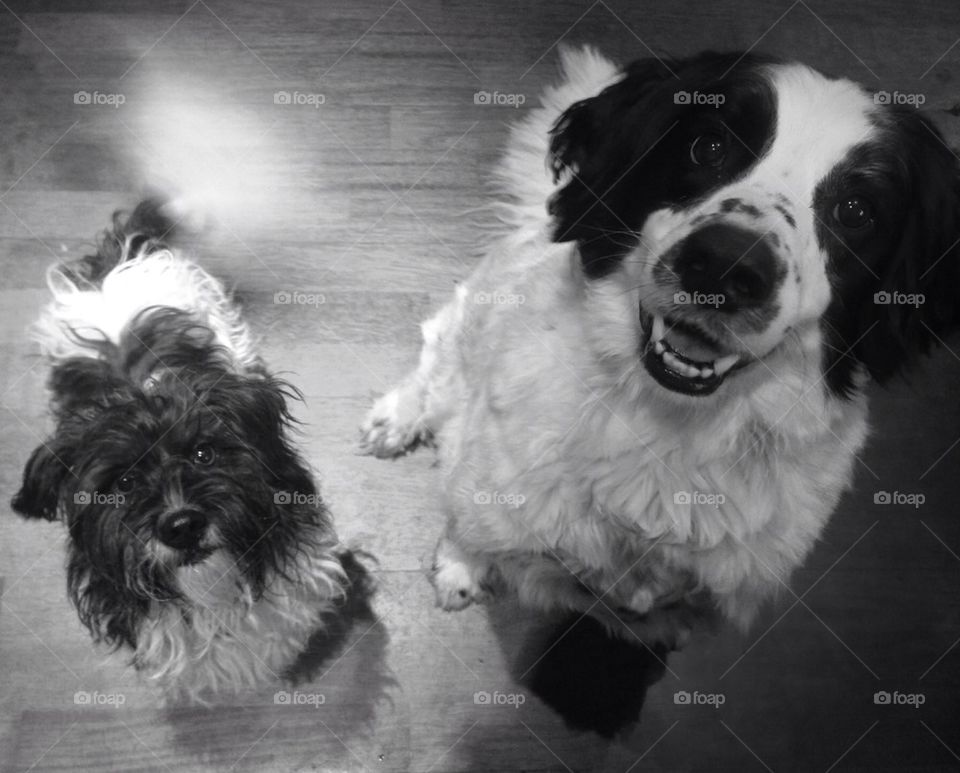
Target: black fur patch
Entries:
(908, 253)
(791, 221)
(736, 205)
(629, 148)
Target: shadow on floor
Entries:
(593, 681)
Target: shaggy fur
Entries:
(198, 539)
(583, 467)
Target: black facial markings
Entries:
(738, 206)
(631, 146)
(909, 247)
(791, 221)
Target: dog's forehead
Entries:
(819, 121)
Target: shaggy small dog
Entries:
(197, 537)
(650, 394)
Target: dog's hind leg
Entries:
(409, 414)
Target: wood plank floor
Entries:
(370, 200)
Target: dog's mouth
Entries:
(683, 358)
(193, 556)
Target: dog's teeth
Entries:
(657, 330)
(679, 366)
(724, 364)
(671, 361)
(659, 348)
(706, 372)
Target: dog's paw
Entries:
(642, 601)
(456, 585)
(392, 427)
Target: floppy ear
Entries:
(256, 407)
(81, 384)
(80, 387)
(924, 267)
(600, 140)
(43, 477)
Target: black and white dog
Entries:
(197, 537)
(649, 395)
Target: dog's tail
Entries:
(137, 266)
(151, 226)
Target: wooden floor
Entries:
(367, 199)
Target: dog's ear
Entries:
(257, 407)
(83, 384)
(595, 146)
(78, 386)
(916, 300)
(582, 135)
(43, 477)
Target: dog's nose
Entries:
(181, 529)
(734, 268)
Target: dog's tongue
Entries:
(690, 346)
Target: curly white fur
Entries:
(152, 278)
(226, 641)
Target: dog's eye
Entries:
(709, 149)
(204, 455)
(853, 212)
(126, 483)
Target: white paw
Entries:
(642, 601)
(456, 585)
(392, 426)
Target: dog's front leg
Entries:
(459, 577)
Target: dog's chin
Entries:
(683, 358)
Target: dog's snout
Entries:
(735, 267)
(182, 529)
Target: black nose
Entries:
(734, 268)
(182, 529)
